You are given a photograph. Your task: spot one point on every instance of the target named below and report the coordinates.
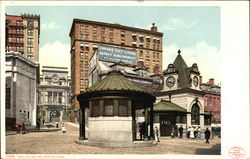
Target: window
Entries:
(81, 55)
(103, 38)
(30, 49)
(81, 36)
(103, 31)
(86, 36)
(86, 63)
(86, 73)
(30, 57)
(147, 45)
(122, 33)
(81, 73)
(141, 53)
(86, 82)
(154, 40)
(81, 28)
(55, 97)
(60, 98)
(94, 30)
(30, 24)
(157, 48)
(30, 32)
(95, 37)
(195, 115)
(95, 108)
(122, 41)
(214, 102)
(207, 120)
(218, 102)
(111, 40)
(157, 55)
(108, 107)
(153, 54)
(81, 82)
(49, 97)
(123, 107)
(154, 46)
(147, 53)
(81, 63)
(30, 41)
(140, 45)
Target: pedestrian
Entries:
(188, 132)
(140, 131)
(195, 132)
(63, 128)
(172, 132)
(175, 131)
(43, 121)
(181, 131)
(156, 134)
(192, 133)
(199, 133)
(38, 123)
(207, 135)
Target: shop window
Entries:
(95, 108)
(108, 107)
(123, 107)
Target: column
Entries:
(151, 122)
(189, 120)
(82, 123)
(146, 123)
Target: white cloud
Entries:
(51, 25)
(55, 54)
(176, 23)
(207, 57)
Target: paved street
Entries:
(55, 142)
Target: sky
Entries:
(193, 30)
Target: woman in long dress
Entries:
(192, 133)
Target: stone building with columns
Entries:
(22, 78)
(179, 100)
(54, 94)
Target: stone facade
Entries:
(181, 86)
(87, 35)
(21, 89)
(22, 35)
(54, 94)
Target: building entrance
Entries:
(167, 123)
(55, 116)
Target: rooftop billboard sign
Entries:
(114, 54)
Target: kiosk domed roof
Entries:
(115, 80)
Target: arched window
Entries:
(195, 115)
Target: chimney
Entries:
(156, 69)
(140, 63)
(153, 28)
(211, 82)
(200, 80)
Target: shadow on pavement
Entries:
(50, 126)
(215, 150)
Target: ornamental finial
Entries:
(179, 51)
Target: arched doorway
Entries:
(195, 114)
(55, 116)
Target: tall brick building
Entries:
(22, 35)
(212, 100)
(87, 35)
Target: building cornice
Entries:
(178, 91)
(112, 25)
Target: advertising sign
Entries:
(114, 54)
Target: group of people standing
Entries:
(192, 132)
(142, 131)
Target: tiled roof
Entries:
(115, 80)
(183, 72)
(164, 105)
